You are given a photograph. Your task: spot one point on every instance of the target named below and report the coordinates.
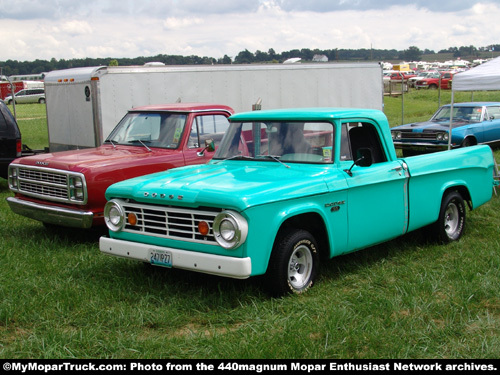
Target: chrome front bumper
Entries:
(422, 146)
(51, 214)
(237, 268)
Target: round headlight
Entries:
(396, 135)
(230, 229)
(439, 136)
(114, 217)
(227, 229)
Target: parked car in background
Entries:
(473, 123)
(422, 75)
(443, 78)
(402, 75)
(27, 96)
(10, 139)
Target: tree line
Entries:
(413, 53)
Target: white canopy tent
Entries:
(483, 77)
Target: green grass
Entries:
(408, 298)
(32, 121)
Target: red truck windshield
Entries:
(163, 130)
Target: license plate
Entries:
(162, 258)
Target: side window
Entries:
(363, 135)
(493, 113)
(207, 127)
(345, 144)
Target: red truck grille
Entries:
(28, 188)
(170, 222)
(48, 184)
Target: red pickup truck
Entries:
(402, 75)
(443, 78)
(67, 188)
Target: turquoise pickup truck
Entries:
(288, 188)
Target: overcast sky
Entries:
(66, 29)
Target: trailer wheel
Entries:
(294, 262)
(451, 222)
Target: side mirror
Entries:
(364, 158)
(209, 146)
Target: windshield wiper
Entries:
(110, 141)
(141, 142)
(273, 157)
(234, 157)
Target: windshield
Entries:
(163, 130)
(284, 141)
(469, 114)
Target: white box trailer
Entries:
(85, 104)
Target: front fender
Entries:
(266, 221)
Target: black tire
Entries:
(433, 87)
(467, 142)
(294, 263)
(41, 100)
(451, 222)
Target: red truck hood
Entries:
(103, 156)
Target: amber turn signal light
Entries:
(132, 218)
(203, 228)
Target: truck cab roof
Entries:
(184, 107)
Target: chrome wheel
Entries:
(294, 263)
(451, 220)
(300, 267)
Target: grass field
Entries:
(409, 298)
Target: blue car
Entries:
(473, 123)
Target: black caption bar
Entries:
(249, 366)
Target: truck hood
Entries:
(229, 184)
(103, 156)
(430, 126)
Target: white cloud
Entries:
(76, 27)
(173, 23)
(182, 27)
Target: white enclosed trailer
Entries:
(85, 104)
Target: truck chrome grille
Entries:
(170, 222)
(424, 135)
(48, 184)
(27, 187)
(41, 176)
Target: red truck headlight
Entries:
(13, 180)
(76, 189)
